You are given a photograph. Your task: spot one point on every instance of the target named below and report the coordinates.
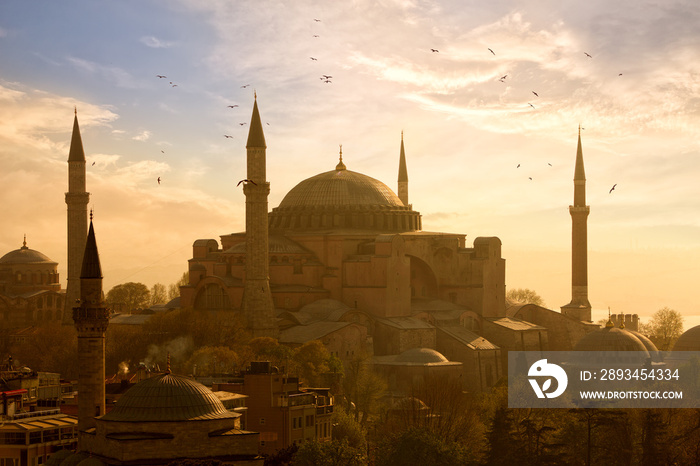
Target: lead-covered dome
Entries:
(689, 341)
(24, 255)
(343, 199)
(168, 397)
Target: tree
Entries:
(310, 361)
(333, 453)
(420, 446)
(525, 295)
(665, 327)
(128, 296)
(346, 428)
(212, 360)
(158, 294)
(174, 288)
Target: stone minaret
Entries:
(257, 306)
(77, 200)
(91, 318)
(579, 307)
(403, 176)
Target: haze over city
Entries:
(489, 101)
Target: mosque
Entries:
(345, 260)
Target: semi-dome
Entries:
(168, 397)
(343, 199)
(689, 341)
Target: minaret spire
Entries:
(403, 175)
(91, 318)
(257, 305)
(579, 307)
(77, 201)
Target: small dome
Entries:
(610, 339)
(56, 458)
(648, 344)
(689, 341)
(24, 255)
(75, 459)
(168, 397)
(421, 356)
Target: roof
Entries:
(256, 137)
(610, 339)
(689, 340)
(514, 324)
(340, 188)
(314, 331)
(168, 397)
(416, 357)
(129, 319)
(467, 337)
(91, 259)
(277, 244)
(24, 255)
(405, 322)
(76, 153)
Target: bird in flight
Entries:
(160, 76)
(227, 136)
(325, 76)
(529, 178)
(242, 124)
(531, 105)
(549, 164)
(93, 164)
(588, 54)
(611, 189)
(518, 166)
(620, 74)
(162, 152)
(174, 85)
(503, 78)
(536, 94)
(315, 35)
(244, 86)
(232, 106)
(434, 50)
(317, 20)
(314, 59)
(159, 180)
(246, 181)
(492, 51)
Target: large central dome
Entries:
(340, 188)
(343, 199)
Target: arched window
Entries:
(212, 297)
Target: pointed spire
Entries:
(24, 243)
(579, 173)
(341, 165)
(91, 258)
(256, 137)
(403, 171)
(76, 153)
(167, 367)
(609, 323)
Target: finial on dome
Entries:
(24, 243)
(341, 165)
(579, 129)
(75, 109)
(91, 210)
(609, 323)
(255, 94)
(167, 367)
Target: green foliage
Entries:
(310, 360)
(417, 446)
(525, 295)
(212, 360)
(333, 453)
(128, 297)
(282, 457)
(159, 294)
(664, 328)
(346, 428)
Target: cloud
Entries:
(142, 136)
(114, 74)
(153, 42)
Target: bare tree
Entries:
(525, 295)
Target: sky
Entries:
(489, 96)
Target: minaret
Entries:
(91, 318)
(77, 200)
(403, 176)
(257, 306)
(579, 307)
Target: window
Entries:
(309, 420)
(262, 421)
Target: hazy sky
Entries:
(465, 131)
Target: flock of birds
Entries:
(327, 79)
